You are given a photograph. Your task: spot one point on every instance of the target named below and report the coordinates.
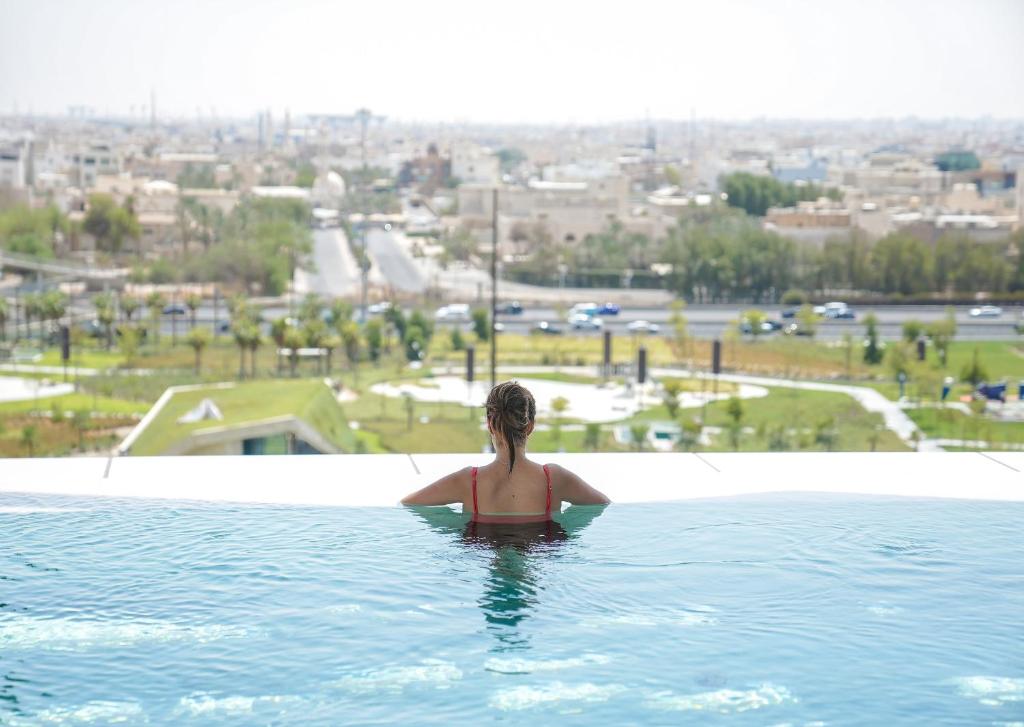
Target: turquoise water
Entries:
(761, 610)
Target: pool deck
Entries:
(381, 480)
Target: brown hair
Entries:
(510, 412)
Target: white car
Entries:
(583, 322)
(986, 311)
(643, 327)
(584, 309)
(453, 313)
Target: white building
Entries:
(472, 164)
(13, 166)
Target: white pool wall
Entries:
(382, 480)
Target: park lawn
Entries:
(942, 423)
(1001, 359)
(307, 399)
(565, 378)
(799, 412)
(89, 358)
(74, 402)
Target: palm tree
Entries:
(293, 342)
(29, 438)
(3, 319)
(350, 340)
(32, 305)
(240, 331)
(193, 301)
(129, 305)
(155, 301)
(330, 344)
(277, 330)
(315, 331)
(104, 303)
(197, 339)
(255, 341)
(638, 435)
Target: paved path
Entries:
(13, 388)
(896, 420)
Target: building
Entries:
(14, 163)
(472, 164)
(810, 222)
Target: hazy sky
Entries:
(523, 60)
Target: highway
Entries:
(395, 264)
(336, 273)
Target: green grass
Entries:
(953, 424)
(306, 399)
(74, 402)
(84, 357)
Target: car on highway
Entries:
(788, 313)
(587, 309)
(643, 327)
(609, 309)
(583, 322)
(376, 309)
(836, 309)
(452, 313)
(174, 309)
(547, 329)
(514, 308)
(499, 327)
(986, 311)
(766, 326)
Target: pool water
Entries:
(782, 609)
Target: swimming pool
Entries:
(764, 609)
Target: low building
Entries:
(258, 417)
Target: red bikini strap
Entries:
(476, 509)
(547, 507)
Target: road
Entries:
(397, 267)
(337, 272)
(710, 321)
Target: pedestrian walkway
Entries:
(894, 417)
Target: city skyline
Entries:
(542, 65)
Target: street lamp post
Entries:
(494, 288)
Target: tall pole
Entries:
(494, 288)
(363, 115)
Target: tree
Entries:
(751, 322)
(110, 224)
(974, 371)
(242, 332)
(350, 342)
(912, 330)
(129, 304)
(592, 436)
(255, 340)
(373, 332)
(671, 389)
(415, 343)
(339, 312)
(679, 340)
(310, 307)
(638, 435)
(80, 420)
(198, 338)
(689, 434)
(872, 349)
(192, 302)
(104, 304)
(559, 405)
(458, 342)
(826, 434)
(898, 359)
(331, 343)
(30, 438)
(3, 318)
(155, 302)
(807, 320)
(293, 341)
(128, 344)
(481, 324)
(734, 410)
(941, 333)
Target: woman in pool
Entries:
(511, 489)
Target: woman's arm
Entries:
(578, 492)
(446, 491)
